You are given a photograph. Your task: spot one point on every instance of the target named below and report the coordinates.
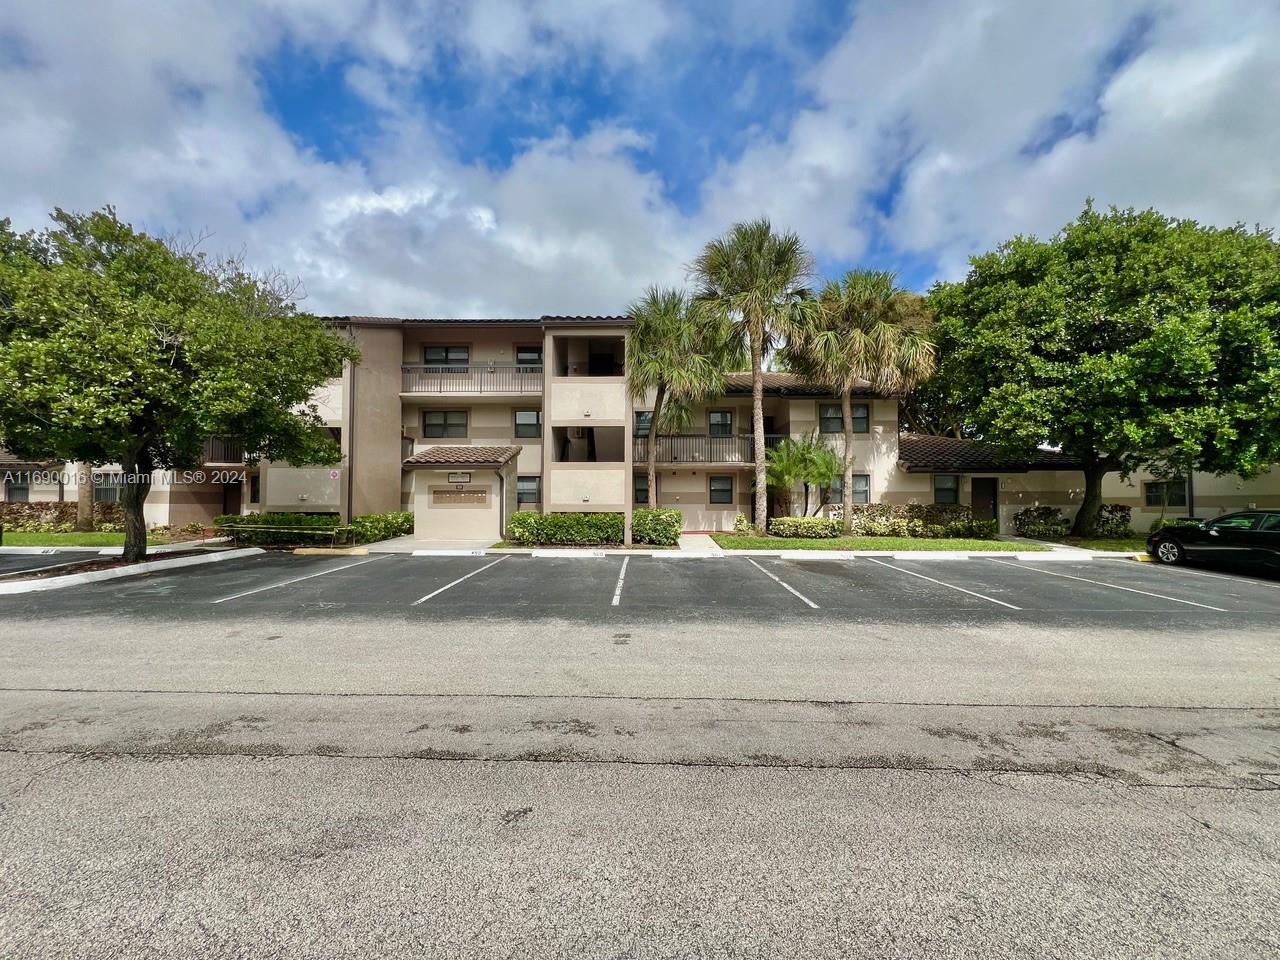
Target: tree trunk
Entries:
(84, 497)
(846, 490)
(653, 444)
(1087, 516)
(805, 512)
(757, 429)
(133, 494)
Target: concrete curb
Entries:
(209, 543)
(454, 553)
(1038, 556)
(330, 552)
(137, 569)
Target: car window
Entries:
(1239, 521)
(1271, 522)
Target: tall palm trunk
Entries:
(84, 497)
(757, 428)
(846, 492)
(659, 396)
(137, 467)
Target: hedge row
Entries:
(1115, 520)
(651, 526)
(382, 526)
(304, 528)
(58, 517)
(927, 520)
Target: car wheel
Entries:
(1170, 551)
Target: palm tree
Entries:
(680, 357)
(755, 278)
(865, 330)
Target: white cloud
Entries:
(158, 108)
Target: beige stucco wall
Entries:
(307, 489)
(496, 345)
(586, 487)
(436, 521)
(371, 440)
(587, 400)
(688, 491)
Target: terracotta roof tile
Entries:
(924, 453)
(462, 456)
(479, 321)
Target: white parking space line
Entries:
(942, 583)
(1217, 576)
(456, 582)
(622, 575)
(780, 582)
(309, 576)
(1113, 586)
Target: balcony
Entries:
(701, 448)
(472, 379)
(223, 450)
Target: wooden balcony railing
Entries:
(701, 448)
(475, 378)
(223, 450)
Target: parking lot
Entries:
(612, 587)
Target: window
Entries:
(528, 423)
(946, 488)
(444, 423)
(1271, 523)
(861, 489)
(640, 489)
(528, 490)
(446, 356)
(255, 488)
(830, 420)
(721, 489)
(1165, 493)
(529, 356)
(1241, 521)
(720, 423)
(644, 421)
(106, 488)
(17, 491)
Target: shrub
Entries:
(297, 528)
(194, 527)
(1041, 523)
(381, 526)
(741, 525)
(565, 529)
(1159, 523)
(1114, 520)
(659, 527)
(926, 520)
(58, 517)
(805, 527)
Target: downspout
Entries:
(502, 503)
(1191, 493)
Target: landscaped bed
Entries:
(21, 538)
(735, 541)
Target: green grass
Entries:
(19, 539)
(1118, 544)
(733, 541)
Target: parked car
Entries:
(1250, 538)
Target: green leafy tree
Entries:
(866, 330)
(825, 466)
(1129, 337)
(116, 347)
(808, 461)
(755, 278)
(678, 355)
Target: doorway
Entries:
(986, 498)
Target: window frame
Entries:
(516, 425)
(445, 425)
(639, 485)
(728, 428)
(537, 489)
(955, 490)
(515, 353)
(835, 492)
(447, 363)
(711, 489)
(648, 424)
(861, 414)
(1164, 501)
(11, 485)
(112, 485)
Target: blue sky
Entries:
(506, 157)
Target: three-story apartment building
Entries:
(465, 421)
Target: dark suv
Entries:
(1250, 538)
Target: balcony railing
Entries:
(513, 378)
(701, 448)
(223, 450)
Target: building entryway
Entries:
(985, 502)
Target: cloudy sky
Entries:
(501, 157)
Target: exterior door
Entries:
(986, 498)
